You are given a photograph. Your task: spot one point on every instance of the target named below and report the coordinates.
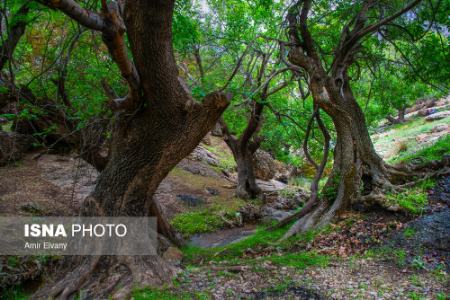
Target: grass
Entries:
(300, 260)
(166, 294)
(388, 253)
(406, 134)
(192, 222)
(14, 293)
(409, 232)
(261, 239)
(434, 152)
(209, 217)
(413, 200)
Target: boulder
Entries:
(431, 231)
(267, 168)
(13, 146)
(217, 130)
(441, 128)
(270, 214)
(202, 154)
(263, 165)
(437, 116)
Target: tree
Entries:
(157, 124)
(257, 90)
(357, 167)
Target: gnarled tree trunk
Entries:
(243, 149)
(359, 174)
(157, 126)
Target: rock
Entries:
(250, 213)
(32, 208)
(198, 168)
(207, 140)
(217, 130)
(13, 146)
(202, 154)
(441, 192)
(191, 200)
(432, 231)
(264, 165)
(270, 214)
(173, 255)
(290, 199)
(270, 186)
(437, 116)
(441, 128)
(212, 191)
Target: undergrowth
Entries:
(260, 241)
(208, 218)
(434, 152)
(413, 200)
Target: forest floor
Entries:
(375, 255)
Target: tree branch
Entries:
(83, 16)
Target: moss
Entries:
(196, 221)
(209, 218)
(413, 201)
(409, 232)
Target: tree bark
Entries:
(359, 174)
(243, 149)
(147, 141)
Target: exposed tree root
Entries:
(316, 214)
(102, 277)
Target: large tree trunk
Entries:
(358, 171)
(146, 144)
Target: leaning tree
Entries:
(359, 175)
(156, 125)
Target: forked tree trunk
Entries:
(357, 169)
(146, 144)
(243, 149)
(246, 187)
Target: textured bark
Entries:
(148, 139)
(243, 149)
(357, 168)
